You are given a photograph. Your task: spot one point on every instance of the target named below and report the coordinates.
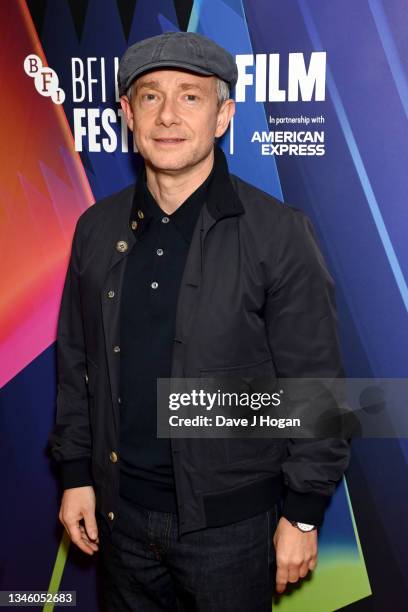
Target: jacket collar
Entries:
(221, 198)
(223, 201)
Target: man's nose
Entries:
(168, 111)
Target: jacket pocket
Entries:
(249, 378)
(254, 369)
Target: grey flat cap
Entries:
(186, 50)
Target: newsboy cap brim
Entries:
(164, 64)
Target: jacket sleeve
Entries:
(70, 440)
(301, 323)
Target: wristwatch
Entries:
(303, 526)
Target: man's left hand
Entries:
(296, 553)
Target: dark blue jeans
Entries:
(145, 566)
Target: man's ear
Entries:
(225, 114)
(127, 111)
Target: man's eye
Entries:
(191, 96)
(148, 96)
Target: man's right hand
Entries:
(79, 503)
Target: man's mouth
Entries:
(169, 140)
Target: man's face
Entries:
(174, 116)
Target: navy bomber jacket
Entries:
(256, 299)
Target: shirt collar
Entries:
(216, 192)
(186, 215)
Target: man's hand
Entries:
(76, 504)
(296, 553)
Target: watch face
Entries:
(305, 526)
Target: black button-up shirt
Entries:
(152, 278)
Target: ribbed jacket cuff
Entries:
(305, 507)
(76, 473)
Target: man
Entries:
(191, 272)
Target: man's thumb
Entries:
(91, 526)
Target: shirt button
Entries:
(111, 294)
(159, 252)
(116, 349)
(165, 219)
(113, 457)
(111, 516)
(119, 400)
(154, 285)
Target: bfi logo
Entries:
(45, 79)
